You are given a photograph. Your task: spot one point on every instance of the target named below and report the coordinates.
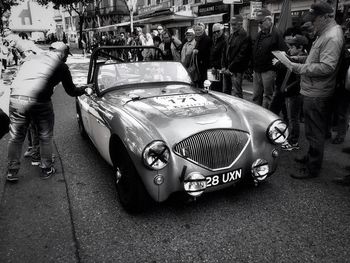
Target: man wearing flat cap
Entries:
(318, 79)
(30, 100)
(268, 39)
(236, 57)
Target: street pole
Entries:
(131, 21)
(232, 13)
(132, 6)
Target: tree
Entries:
(77, 6)
(5, 11)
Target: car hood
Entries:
(177, 116)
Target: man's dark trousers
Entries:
(316, 111)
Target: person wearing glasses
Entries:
(317, 84)
(268, 39)
(236, 57)
(219, 45)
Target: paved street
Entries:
(76, 217)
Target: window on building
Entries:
(157, 1)
(185, 2)
(197, 1)
(67, 22)
(148, 2)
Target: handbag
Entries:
(193, 68)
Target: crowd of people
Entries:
(308, 85)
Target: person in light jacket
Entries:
(187, 49)
(317, 83)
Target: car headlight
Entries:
(260, 169)
(277, 132)
(156, 155)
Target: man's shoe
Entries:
(302, 160)
(337, 140)
(28, 152)
(290, 146)
(12, 175)
(36, 159)
(346, 150)
(47, 172)
(303, 174)
(345, 180)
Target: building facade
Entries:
(33, 19)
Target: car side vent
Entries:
(213, 149)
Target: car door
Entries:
(84, 103)
(100, 132)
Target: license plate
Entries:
(223, 178)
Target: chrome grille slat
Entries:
(213, 149)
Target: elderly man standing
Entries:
(236, 57)
(268, 39)
(187, 49)
(202, 50)
(318, 79)
(30, 100)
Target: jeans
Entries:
(41, 115)
(263, 83)
(294, 106)
(232, 84)
(33, 138)
(316, 111)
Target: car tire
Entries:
(81, 127)
(130, 189)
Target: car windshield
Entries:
(121, 74)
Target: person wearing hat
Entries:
(317, 84)
(288, 84)
(307, 29)
(188, 47)
(268, 39)
(216, 53)
(30, 100)
(236, 57)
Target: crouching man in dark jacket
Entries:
(30, 100)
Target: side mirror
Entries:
(88, 88)
(207, 84)
(89, 91)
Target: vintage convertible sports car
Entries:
(163, 135)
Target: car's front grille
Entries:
(213, 149)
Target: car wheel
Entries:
(81, 127)
(131, 191)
